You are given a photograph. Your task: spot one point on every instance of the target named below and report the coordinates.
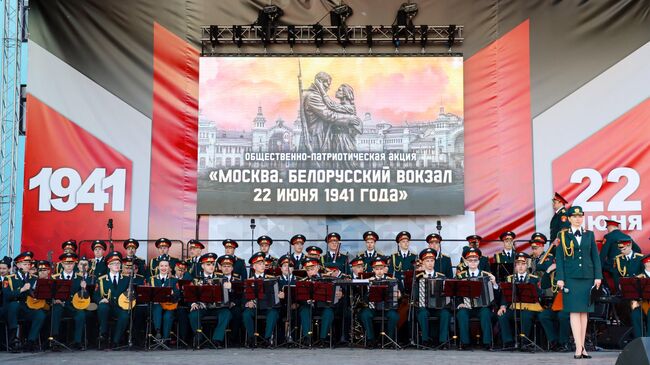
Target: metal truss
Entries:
(214, 37)
(12, 38)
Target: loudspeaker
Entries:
(636, 352)
(615, 337)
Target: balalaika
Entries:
(487, 293)
(431, 293)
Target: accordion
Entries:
(264, 291)
(431, 293)
(487, 293)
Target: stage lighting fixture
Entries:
(406, 13)
(238, 35)
(214, 31)
(267, 19)
(369, 36)
(339, 14)
(424, 35)
(291, 35)
(451, 36)
(318, 35)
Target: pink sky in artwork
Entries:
(392, 89)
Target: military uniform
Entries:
(369, 256)
(484, 263)
(137, 261)
(443, 262)
(506, 257)
(306, 310)
(110, 287)
(163, 319)
(98, 264)
(297, 258)
(58, 310)
(69, 246)
(401, 261)
(464, 314)
(153, 264)
(555, 324)
(578, 265)
(527, 315)
(249, 315)
(556, 221)
(367, 314)
(15, 306)
(423, 313)
(340, 260)
(610, 250)
(627, 266)
(193, 264)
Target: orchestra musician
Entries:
(428, 259)
(370, 238)
(367, 314)
(15, 290)
(297, 244)
(466, 309)
(252, 307)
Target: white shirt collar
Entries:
(647, 273)
(160, 276)
(404, 253)
(475, 272)
(431, 273)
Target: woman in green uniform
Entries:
(578, 270)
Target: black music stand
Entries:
(409, 282)
(51, 290)
(455, 289)
(254, 290)
(305, 293)
(149, 295)
(380, 294)
(203, 294)
(521, 293)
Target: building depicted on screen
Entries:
(438, 143)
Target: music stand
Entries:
(521, 293)
(254, 290)
(409, 282)
(203, 294)
(149, 295)
(51, 290)
(455, 288)
(380, 294)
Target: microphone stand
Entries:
(110, 233)
(130, 291)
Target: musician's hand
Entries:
(551, 268)
(501, 311)
(25, 287)
(463, 305)
(597, 283)
(281, 295)
(83, 285)
(104, 300)
(560, 284)
(194, 306)
(310, 301)
(250, 304)
(634, 304)
(493, 279)
(294, 306)
(339, 294)
(227, 285)
(57, 301)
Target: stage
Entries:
(294, 356)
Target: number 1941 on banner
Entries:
(63, 189)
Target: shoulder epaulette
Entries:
(533, 276)
(636, 254)
(103, 277)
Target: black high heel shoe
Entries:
(577, 356)
(583, 355)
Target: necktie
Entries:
(430, 275)
(521, 279)
(115, 280)
(163, 281)
(473, 275)
(578, 233)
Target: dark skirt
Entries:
(577, 299)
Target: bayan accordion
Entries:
(487, 293)
(430, 293)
